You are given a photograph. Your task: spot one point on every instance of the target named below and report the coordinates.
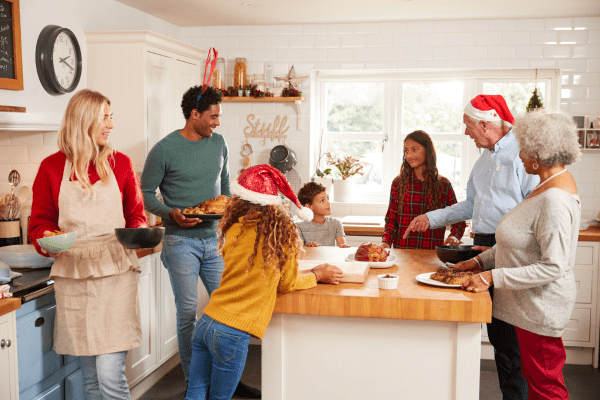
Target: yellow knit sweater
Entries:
(246, 297)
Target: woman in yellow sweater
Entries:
(260, 245)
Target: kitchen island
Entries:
(355, 341)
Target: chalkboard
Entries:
(11, 67)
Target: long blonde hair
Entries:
(83, 118)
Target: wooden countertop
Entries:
(411, 300)
(9, 304)
(592, 234)
(146, 252)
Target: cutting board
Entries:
(353, 272)
(362, 220)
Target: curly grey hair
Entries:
(548, 136)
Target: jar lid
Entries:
(240, 60)
(220, 59)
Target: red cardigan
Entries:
(46, 188)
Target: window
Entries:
(368, 114)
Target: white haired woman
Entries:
(89, 188)
(531, 266)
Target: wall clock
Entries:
(58, 60)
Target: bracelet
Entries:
(478, 263)
(483, 279)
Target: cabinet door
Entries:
(35, 339)
(142, 360)
(187, 74)
(9, 383)
(159, 72)
(167, 324)
(54, 393)
(74, 386)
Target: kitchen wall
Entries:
(572, 44)
(24, 151)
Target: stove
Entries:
(34, 283)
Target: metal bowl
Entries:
(454, 254)
(283, 158)
(140, 238)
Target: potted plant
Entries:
(346, 167)
(248, 90)
(325, 178)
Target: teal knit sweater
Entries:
(187, 173)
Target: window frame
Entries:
(473, 81)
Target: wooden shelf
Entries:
(261, 99)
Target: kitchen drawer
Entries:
(74, 386)
(584, 255)
(578, 327)
(583, 285)
(37, 360)
(54, 393)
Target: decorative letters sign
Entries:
(264, 131)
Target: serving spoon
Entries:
(14, 179)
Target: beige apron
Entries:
(96, 282)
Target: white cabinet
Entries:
(144, 75)
(142, 360)
(159, 323)
(167, 327)
(9, 377)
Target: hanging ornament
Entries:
(535, 102)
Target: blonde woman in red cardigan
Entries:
(92, 189)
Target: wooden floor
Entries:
(583, 381)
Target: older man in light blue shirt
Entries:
(497, 184)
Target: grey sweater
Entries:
(534, 284)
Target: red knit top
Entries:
(46, 188)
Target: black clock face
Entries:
(58, 60)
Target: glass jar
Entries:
(239, 74)
(260, 82)
(218, 79)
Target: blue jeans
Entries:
(507, 354)
(185, 260)
(218, 359)
(104, 376)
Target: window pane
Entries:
(355, 107)
(432, 107)
(370, 155)
(516, 94)
(449, 164)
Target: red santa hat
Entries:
(260, 185)
(489, 107)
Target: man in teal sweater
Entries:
(190, 166)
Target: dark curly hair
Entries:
(273, 225)
(432, 184)
(208, 99)
(307, 193)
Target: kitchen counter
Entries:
(8, 305)
(592, 234)
(355, 341)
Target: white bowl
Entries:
(24, 256)
(387, 283)
(58, 243)
(385, 264)
(584, 226)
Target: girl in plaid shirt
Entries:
(416, 190)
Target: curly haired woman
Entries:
(418, 189)
(260, 244)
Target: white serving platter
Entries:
(386, 264)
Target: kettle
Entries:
(283, 158)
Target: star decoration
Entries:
(292, 79)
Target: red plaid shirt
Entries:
(414, 204)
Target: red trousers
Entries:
(542, 361)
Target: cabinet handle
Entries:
(39, 322)
(8, 343)
(2, 343)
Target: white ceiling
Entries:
(192, 13)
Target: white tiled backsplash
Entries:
(572, 44)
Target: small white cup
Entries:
(387, 283)
(583, 226)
